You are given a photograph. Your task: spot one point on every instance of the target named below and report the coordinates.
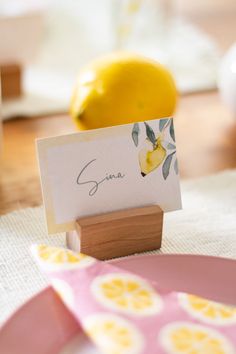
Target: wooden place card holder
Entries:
(119, 233)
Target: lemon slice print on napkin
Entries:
(113, 334)
(187, 338)
(127, 293)
(54, 258)
(208, 311)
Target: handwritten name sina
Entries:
(81, 180)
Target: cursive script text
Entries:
(95, 184)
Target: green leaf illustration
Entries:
(163, 123)
(172, 132)
(135, 133)
(176, 168)
(171, 146)
(166, 165)
(150, 133)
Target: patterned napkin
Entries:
(126, 314)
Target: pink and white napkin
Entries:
(125, 314)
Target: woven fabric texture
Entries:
(206, 225)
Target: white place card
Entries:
(108, 169)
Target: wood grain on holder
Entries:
(121, 233)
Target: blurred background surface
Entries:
(43, 44)
(52, 39)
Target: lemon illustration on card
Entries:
(156, 151)
(151, 156)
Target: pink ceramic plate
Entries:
(44, 326)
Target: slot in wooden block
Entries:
(10, 80)
(121, 233)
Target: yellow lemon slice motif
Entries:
(208, 311)
(114, 335)
(151, 158)
(55, 258)
(187, 338)
(126, 293)
(64, 291)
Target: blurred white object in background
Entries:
(78, 31)
(227, 79)
(156, 29)
(21, 25)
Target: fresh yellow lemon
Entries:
(122, 88)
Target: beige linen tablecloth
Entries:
(206, 225)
